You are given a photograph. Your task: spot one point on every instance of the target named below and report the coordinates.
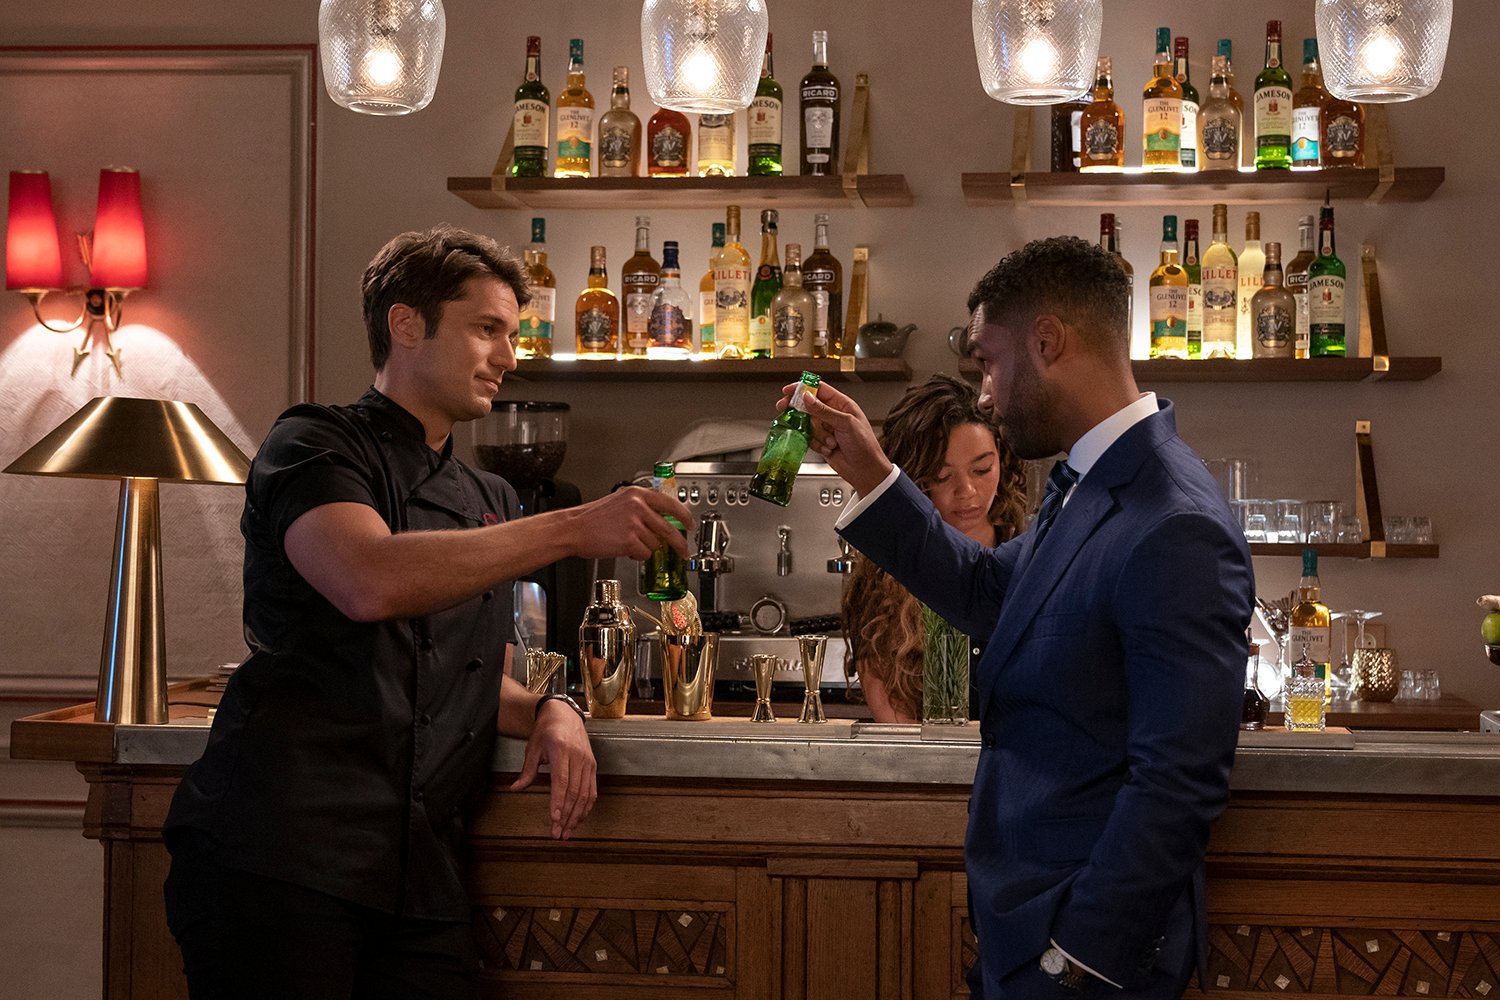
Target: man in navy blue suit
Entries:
(1109, 691)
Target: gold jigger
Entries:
(812, 648)
(606, 649)
(765, 666)
(1375, 675)
(688, 666)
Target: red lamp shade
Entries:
(119, 252)
(32, 259)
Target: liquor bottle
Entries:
(787, 442)
(1342, 142)
(597, 312)
(767, 284)
(1194, 268)
(1307, 110)
(820, 113)
(1220, 118)
(765, 122)
(668, 136)
(1220, 290)
(1275, 311)
(706, 318)
(1067, 135)
(793, 311)
(639, 279)
(1273, 107)
(1161, 120)
(1167, 296)
(664, 574)
(539, 315)
(533, 110)
(732, 276)
(1310, 622)
(1325, 293)
(823, 276)
(575, 119)
(1296, 280)
(1188, 153)
(1252, 264)
(671, 324)
(1101, 124)
(620, 131)
(1226, 49)
(1109, 239)
(1254, 705)
(716, 145)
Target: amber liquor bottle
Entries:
(1307, 110)
(1161, 121)
(1101, 125)
(575, 119)
(668, 138)
(539, 315)
(597, 312)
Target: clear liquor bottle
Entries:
(1325, 293)
(1220, 118)
(706, 295)
(1273, 107)
(821, 95)
(533, 111)
(671, 325)
(767, 284)
(620, 131)
(1109, 239)
(664, 574)
(1342, 142)
(764, 128)
(776, 473)
(823, 276)
(1167, 297)
(597, 312)
(1188, 153)
(793, 311)
(539, 314)
(1220, 290)
(1296, 280)
(1252, 262)
(716, 145)
(1311, 624)
(639, 279)
(1101, 125)
(1161, 119)
(1307, 110)
(1275, 311)
(732, 276)
(668, 138)
(575, 119)
(1192, 264)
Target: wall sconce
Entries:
(115, 253)
(140, 442)
(381, 57)
(1383, 51)
(703, 56)
(1037, 51)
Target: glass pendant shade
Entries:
(381, 57)
(118, 256)
(33, 260)
(1037, 51)
(703, 56)
(1383, 51)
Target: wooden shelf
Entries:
(1378, 369)
(870, 190)
(1406, 184)
(1356, 550)
(780, 370)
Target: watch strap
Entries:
(562, 698)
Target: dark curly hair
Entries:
(1082, 283)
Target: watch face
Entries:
(1054, 963)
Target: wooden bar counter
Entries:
(730, 859)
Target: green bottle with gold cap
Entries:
(664, 575)
(785, 446)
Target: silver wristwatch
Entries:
(1067, 975)
(565, 700)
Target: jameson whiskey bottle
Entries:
(664, 575)
(1220, 119)
(823, 276)
(597, 312)
(575, 119)
(1161, 119)
(1188, 153)
(1221, 282)
(1101, 125)
(671, 324)
(1325, 293)
(1307, 110)
(1273, 107)
(620, 131)
(820, 113)
(1275, 311)
(639, 279)
(793, 311)
(1311, 622)
(532, 112)
(1194, 268)
(785, 445)
(1296, 280)
(668, 136)
(1167, 294)
(706, 294)
(732, 276)
(540, 313)
(764, 114)
(767, 284)
(716, 145)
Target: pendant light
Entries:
(1383, 51)
(703, 56)
(1037, 51)
(381, 57)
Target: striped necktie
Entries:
(1060, 480)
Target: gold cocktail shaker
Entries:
(606, 651)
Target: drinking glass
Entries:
(1421, 530)
(1432, 685)
(1397, 530)
(1257, 521)
(1322, 521)
(1407, 692)
(1289, 522)
(1351, 529)
(1342, 671)
(1305, 711)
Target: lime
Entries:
(1490, 628)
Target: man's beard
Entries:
(1028, 426)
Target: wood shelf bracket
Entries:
(1372, 342)
(1020, 154)
(502, 169)
(857, 151)
(1367, 491)
(1379, 148)
(857, 310)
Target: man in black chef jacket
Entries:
(315, 846)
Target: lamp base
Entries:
(132, 665)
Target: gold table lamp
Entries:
(140, 442)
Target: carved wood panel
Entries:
(656, 942)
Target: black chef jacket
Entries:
(344, 754)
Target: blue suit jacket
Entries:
(1109, 698)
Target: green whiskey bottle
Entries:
(785, 446)
(664, 575)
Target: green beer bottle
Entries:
(664, 575)
(785, 446)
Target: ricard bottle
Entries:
(785, 445)
(823, 277)
(820, 113)
(664, 574)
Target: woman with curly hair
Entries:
(938, 436)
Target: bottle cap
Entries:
(539, 230)
(1309, 49)
(1163, 40)
(1169, 228)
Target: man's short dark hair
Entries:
(427, 270)
(1081, 283)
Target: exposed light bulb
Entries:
(1381, 55)
(381, 65)
(1038, 59)
(701, 71)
